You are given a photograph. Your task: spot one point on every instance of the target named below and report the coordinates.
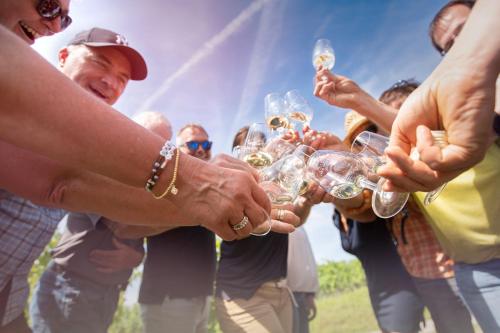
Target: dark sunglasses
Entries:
(193, 145)
(51, 9)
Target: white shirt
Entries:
(302, 270)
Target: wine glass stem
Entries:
(365, 183)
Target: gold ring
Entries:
(243, 223)
(281, 212)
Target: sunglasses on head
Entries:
(51, 9)
(193, 145)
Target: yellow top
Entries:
(466, 215)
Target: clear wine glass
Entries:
(278, 148)
(323, 54)
(370, 147)
(252, 150)
(299, 113)
(275, 113)
(264, 228)
(441, 140)
(344, 175)
(283, 180)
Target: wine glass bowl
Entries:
(275, 112)
(344, 175)
(323, 54)
(299, 113)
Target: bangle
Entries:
(171, 187)
(364, 206)
(159, 164)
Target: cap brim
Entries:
(139, 69)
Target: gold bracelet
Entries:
(364, 206)
(171, 187)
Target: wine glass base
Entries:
(387, 204)
(263, 229)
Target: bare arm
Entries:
(48, 183)
(52, 116)
(458, 96)
(343, 92)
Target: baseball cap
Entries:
(98, 37)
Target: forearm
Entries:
(119, 202)
(56, 118)
(478, 44)
(379, 113)
(124, 231)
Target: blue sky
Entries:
(213, 61)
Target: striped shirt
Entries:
(25, 230)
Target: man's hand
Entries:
(322, 140)
(284, 220)
(337, 90)
(310, 307)
(455, 98)
(121, 258)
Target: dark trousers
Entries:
(300, 320)
(18, 325)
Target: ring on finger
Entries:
(242, 224)
(280, 214)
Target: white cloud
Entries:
(206, 49)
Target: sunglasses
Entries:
(51, 9)
(193, 145)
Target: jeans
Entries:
(448, 311)
(479, 285)
(64, 303)
(186, 315)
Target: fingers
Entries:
(230, 162)
(405, 173)
(285, 215)
(282, 227)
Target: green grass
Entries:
(349, 312)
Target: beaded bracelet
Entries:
(367, 202)
(166, 154)
(171, 187)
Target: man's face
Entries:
(449, 26)
(195, 134)
(103, 71)
(22, 18)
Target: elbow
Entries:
(57, 193)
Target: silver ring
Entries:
(243, 223)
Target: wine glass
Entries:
(441, 140)
(344, 175)
(371, 147)
(264, 228)
(275, 113)
(283, 180)
(252, 150)
(323, 54)
(278, 148)
(299, 113)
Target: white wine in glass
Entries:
(275, 112)
(323, 54)
(299, 112)
(344, 175)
